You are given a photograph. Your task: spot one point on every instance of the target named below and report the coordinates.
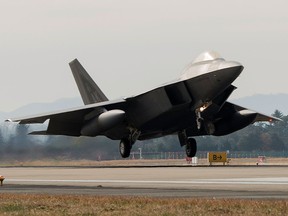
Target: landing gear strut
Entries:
(199, 119)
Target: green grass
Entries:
(12, 207)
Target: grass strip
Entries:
(35, 204)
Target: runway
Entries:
(219, 182)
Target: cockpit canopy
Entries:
(207, 56)
(205, 62)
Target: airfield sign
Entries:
(217, 157)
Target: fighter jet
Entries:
(195, 104)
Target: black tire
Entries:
(125, 148)
(191, 147)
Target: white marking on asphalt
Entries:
(240, 181)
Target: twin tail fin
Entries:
(89, 90)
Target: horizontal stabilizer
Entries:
(259, 116)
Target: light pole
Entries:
(140, 149)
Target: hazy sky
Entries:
(130, 46)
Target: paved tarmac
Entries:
(262, 182)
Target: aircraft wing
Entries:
(67, 114)
(260, 117)
(69, 121)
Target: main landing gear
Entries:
(126, 143)
(189, 143)
(191, 147)
(125, 147)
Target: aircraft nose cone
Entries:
(229, 71)
(235, 67)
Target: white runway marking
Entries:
(239, 181)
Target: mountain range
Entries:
(36, 108)
(265, 104)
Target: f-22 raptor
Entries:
(195, 104)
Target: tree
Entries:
(250, 142)
(278, 114)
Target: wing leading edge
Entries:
(70, 121)
(67, 113)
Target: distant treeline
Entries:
(15, 144)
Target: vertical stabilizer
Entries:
(89, 90)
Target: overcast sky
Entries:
(130, 46)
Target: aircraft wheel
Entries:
(191, 147)
(125, 148)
